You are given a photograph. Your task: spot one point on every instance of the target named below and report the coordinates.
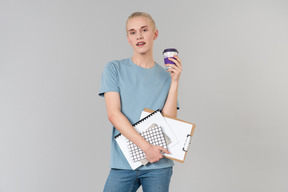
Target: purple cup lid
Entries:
(170, 50)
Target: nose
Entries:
(139, 36)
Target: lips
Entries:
(141, 43)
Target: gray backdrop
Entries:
(55, 136)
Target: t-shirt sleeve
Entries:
(109, 80)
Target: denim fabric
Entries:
(153, 180)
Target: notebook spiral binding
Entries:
(138, 122)
(117, 136)
(158, 110)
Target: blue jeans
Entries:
(153, 180)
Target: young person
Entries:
(129, 86)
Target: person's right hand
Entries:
(154, 153)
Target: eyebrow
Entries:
(141, 28)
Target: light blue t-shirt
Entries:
(139, 88)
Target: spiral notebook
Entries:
(154, 135)
(141, 126)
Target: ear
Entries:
(156, 34)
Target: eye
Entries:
(145, 29)
(132, 32)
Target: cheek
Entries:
(129, 40)
(150, 36)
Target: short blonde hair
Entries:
(142, 14)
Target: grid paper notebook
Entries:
(153, 135)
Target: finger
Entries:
(164, 150)
(173, 68)
(177, 63)
(173, 71)
(175, 57)
(156, 159)
(174, 60)
(178, 59)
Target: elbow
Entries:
(172, 114)
(112, 117)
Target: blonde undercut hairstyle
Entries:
(142, 14)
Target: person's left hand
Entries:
(175, 70)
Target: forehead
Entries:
(138, 22)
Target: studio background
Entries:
(54, 132)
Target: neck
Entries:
(143, 60)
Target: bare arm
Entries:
(170, 107)
(123, 125)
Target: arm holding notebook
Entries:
(122, 124)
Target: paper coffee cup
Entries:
(169, 53)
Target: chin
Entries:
(142, 51)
